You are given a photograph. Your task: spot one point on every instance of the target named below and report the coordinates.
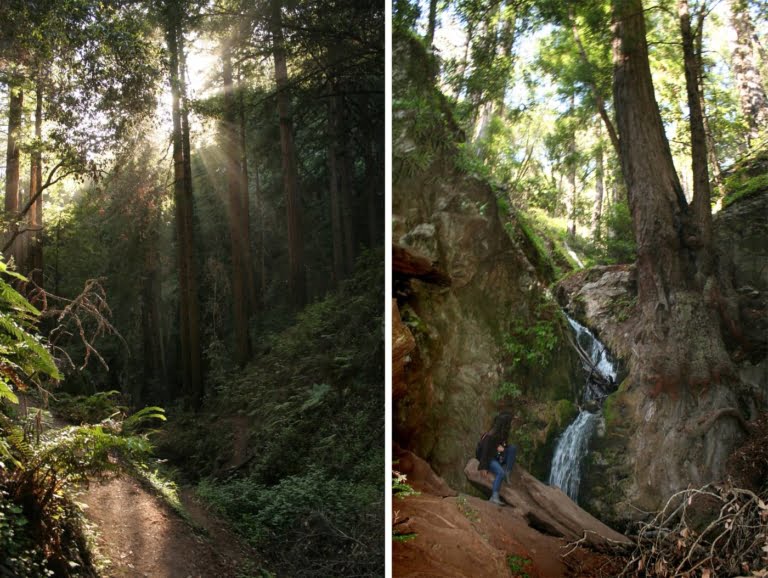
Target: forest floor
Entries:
(457, 535)
(141, 536)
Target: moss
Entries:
(612, 408)
(741, 186)
(533, 246)
(623, 307)
(565, 411)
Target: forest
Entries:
(579, 238)
(191, 288)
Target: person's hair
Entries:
(501, 425)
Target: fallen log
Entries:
(546, 508)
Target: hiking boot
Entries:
(495, 499)
(508, 477)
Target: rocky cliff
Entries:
(475, 327)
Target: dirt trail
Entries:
(143, 537)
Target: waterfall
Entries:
(573, 255)
(598, 353)
(573, 444)
(571, 448)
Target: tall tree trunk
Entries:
(572, 204)
(35, 257)
(597, 214)
(700, 206)
(262, 236)
(253, 293)
(429, 39)
(231, 142)
(13, 162)
(297, 277)
(344, 163)
(333, 174)
(754, 104)
(373, 174)
(151, 322)
(188, 304)
(680, 372)
(680, 343)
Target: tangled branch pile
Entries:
(718, 530)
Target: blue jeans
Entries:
(509, 460)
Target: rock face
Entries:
(604, 299)
(447, 221)
(741, 235)
(650, 446)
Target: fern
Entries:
(139, 419)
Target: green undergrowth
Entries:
(36, 490)
(305, 487)
(747, 178)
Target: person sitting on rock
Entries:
(495, 456)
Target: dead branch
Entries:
(718, 530)
(86, 317)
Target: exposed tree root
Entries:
(718, 530)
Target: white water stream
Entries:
(573, 444)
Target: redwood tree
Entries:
(297, 278)
(681, 375)
(680, 342)
(236, 203)
(189, 316)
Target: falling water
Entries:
(573, 444)
(571, 448)
(574, 256)
(596, 350)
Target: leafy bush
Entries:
(306, 417)
(317, 525)
(88, 408)
(506, 390)
(619, 240)
(18, 554)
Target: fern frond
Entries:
(141, 417)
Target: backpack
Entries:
(479, 447)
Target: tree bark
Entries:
(374, 177)
(154, 351)
(253, 293)
(345, 173)
(431, 23)
(262, 225)
(679, 343)
(13, 162)
(597, 214)
(189, 316)
(333, 174)
(35, 218)
(700, 206)
(297, 277)
(231, 142)
(754, 104)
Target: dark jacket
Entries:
(488, 451)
